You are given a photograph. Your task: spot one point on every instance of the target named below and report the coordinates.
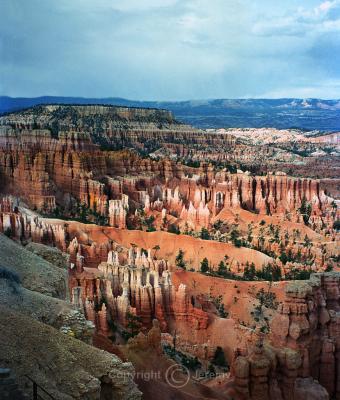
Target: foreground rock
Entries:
(40, 334)
(66, 367)
(35, 273)
(50, 254)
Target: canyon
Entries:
(178, 246)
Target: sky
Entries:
(170, 49)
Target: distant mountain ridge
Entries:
(307, 114)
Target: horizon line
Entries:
(171, 101)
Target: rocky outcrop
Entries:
(118, 211)
(271, 374)
(69, 368)
(116, 127)
(301, 356)
(35, 165)
(143, 287)
(51, 254)
(35, 273)
(47, 338)
(55, 312)
(331, 138)
(200, 199)
(71, 173)
(308, 321)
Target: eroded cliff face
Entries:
(89, 245)
(78, 370)
(118, 127)
(142, 287)
(308, 321)
(304, 333)
(200, 199)
(38, 166)
(53, 174)
(47, 172)
(50, 157)
(297, 360)
(303, 343)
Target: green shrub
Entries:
(179, 261)
(336, 225)
(174, 229)
(204, 265)
(8, 232)
(11, 277)
(219, 358)
(205, 235)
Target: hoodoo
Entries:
(132, 241)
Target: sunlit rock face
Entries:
(123, 218)
(197, 202)
(303, 345)
(50, 157)
(308, 322)
(143, 287)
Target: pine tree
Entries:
(179, 261)
(204, 265)
(219, 358)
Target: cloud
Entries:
(304, 21)
(326, 6)
(167, 49)
(328, 89)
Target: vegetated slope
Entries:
(112, 127)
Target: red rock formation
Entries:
(307, 321)
(196, 203)
(143, 287)
(46, 172)
(304, 343)
(114, 282)
(121, 126)
(118, 211)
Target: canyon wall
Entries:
(118, 127)
(303, 345)
(142, 287)
(53, 171)
(199, 200)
